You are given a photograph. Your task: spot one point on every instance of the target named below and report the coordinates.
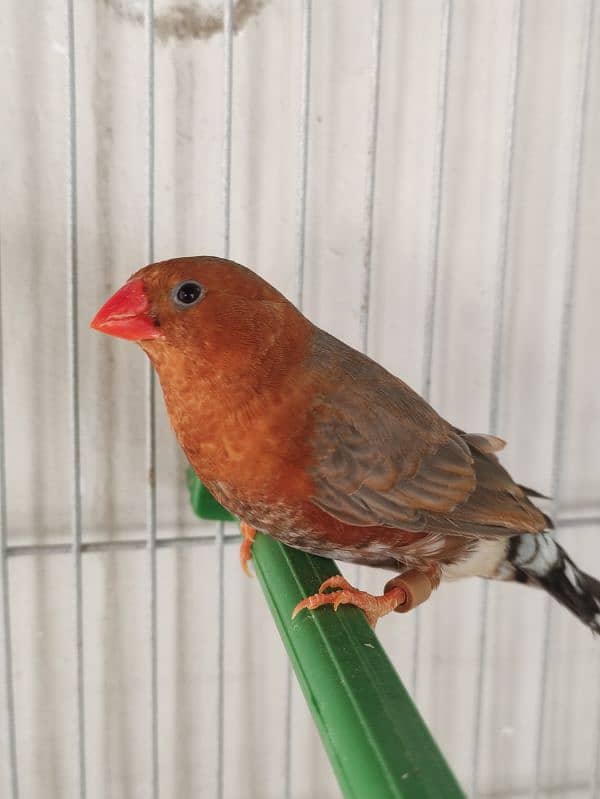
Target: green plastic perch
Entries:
(377, 742)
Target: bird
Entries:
(314, 443)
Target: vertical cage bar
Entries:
(595, 777)
(563, 373)
(433, 256)
(220, 535)
(220, 551)
(372, 133)
(367, 265)
(303, 142)
(228, 103)
(303, 145)
(287, 720)
(73, 361)
(497, 343)
(436, 202)
(151, 500)
(11, 734)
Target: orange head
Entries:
(207, 309)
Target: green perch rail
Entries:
(376, 740)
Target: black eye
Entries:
(188, 293)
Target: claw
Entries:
(248, 534)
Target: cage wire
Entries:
(502, 677)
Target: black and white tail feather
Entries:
(538, 560)
(535, 559)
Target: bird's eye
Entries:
(188, 293)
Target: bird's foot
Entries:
(402, 593)
(248, 534)
(374, 607)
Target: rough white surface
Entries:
(111, 153)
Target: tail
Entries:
(540, 561)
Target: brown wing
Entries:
(383, 457)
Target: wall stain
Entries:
(183, 22)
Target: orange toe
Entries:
(248, 535)
(374, 607)
(337, 581)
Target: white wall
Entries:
(112, 179)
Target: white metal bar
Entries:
(126, 545)
(220, 548)
(497, 343)
(563, 374)
(504, 223)
(367, 266)
(303, 146)
(73, 368)
(303, 141)
(595, 778)
(11, 735)
(167, 542)
(372, 134)
(287, 731)
(436, 203)
(577, 521)
(572, 788)
(220, 534)
(433, 255)
(228, 103)
(151, 499)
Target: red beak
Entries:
(127, 314)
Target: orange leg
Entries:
(248, 534)
(401, 594)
